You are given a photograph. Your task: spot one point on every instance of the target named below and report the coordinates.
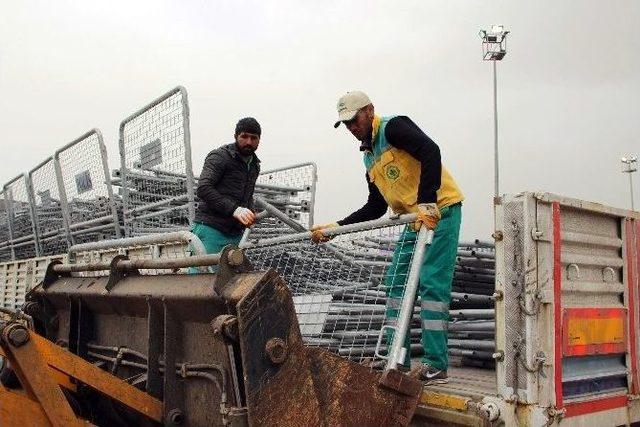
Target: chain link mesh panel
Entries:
(339, 288)
(48, 209)
(20, 219)
(343, 294)
(156, 177)
(87, 189)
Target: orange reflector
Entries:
(588, 331)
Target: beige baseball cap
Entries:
(349, 104)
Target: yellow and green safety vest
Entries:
(396, 173)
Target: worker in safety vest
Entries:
(405, 173)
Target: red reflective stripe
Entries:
(590, 350)
(557, 303)
(582, 408)
(632, 274)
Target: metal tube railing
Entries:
(149, 239)
(142, 264)
(335, 231)
(397, 352)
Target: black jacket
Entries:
(225, 183)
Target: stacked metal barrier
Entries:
(68, 198)
(48, 216)
(21, 230)
(5, 246)
(290, 194)
(156, 176)
(291, 189)
(86, 192)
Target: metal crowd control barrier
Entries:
(288, 194)
(86, 194)
(339, 294)
(5, 247)
(48, 215)
(292, 189)
(341, 291)
(22, 233)
(156, 175)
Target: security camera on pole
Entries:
(494, 48)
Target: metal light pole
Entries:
(494, 48)
(630, 165)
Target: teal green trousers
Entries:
(214, 240)
(436, 275)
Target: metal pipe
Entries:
(487, 345)
(156, 204)
(100, 220)
(158, 213)
(397, 354)
(149, 239)
(335, 231)
(280, 188)
(477, 313)
(142, 264)
(275, 212)
(495, 128)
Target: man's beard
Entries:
(247, 150)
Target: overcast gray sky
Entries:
(568, 87)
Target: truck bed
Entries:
(469, 382)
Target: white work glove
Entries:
(318, 236)
(244, 216)
(428, 214)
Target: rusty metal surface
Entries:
(307, 386)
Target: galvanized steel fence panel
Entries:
(20, 218)
(5, 248)
(292, 189)
(340, 291)
(156, 174)
(87, 196)
(50, 225)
